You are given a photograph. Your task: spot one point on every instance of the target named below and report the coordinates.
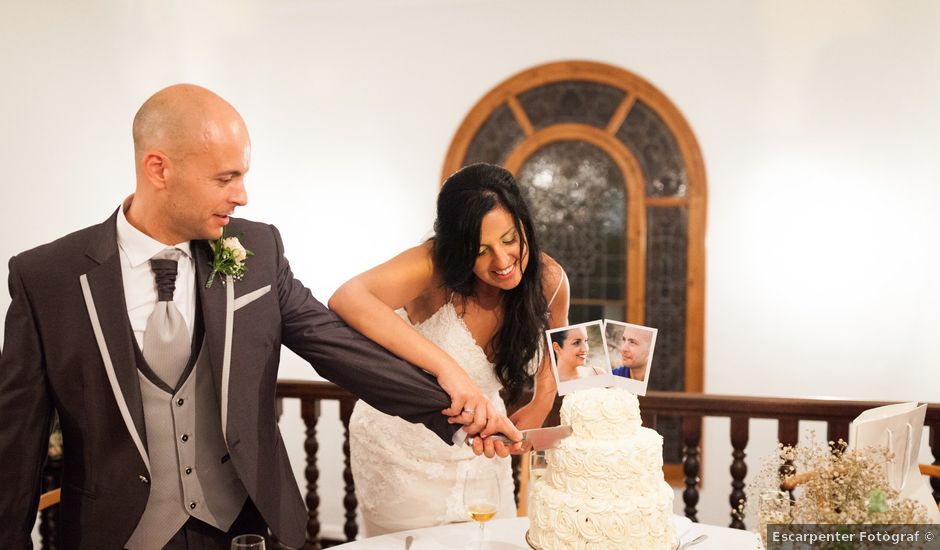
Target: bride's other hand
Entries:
(531, 415)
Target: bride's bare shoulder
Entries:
(553, 275)
(412, 266)
(432, 295)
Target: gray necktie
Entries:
(166, 338)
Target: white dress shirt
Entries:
(140, 288)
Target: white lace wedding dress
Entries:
(407, 477)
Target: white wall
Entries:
(818, 122)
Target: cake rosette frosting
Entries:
(604, 485)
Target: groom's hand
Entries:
(496, 424)
(491, 447)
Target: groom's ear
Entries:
(155, 165)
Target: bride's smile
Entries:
(498, 260)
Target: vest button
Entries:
(179, 402)
(188, 471)
(144, 479)
(192, 505)
(185, 437)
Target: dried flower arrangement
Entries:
(832, 485)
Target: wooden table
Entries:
(509, 534)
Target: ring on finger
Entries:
(468, 411)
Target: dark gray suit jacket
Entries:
(68, 346)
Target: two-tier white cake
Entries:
(604, 485)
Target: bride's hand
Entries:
(468, 405)
(529, 416)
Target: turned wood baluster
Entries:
(836, 430)
(648, 420)
(350, 527)
(310, 412)
(739, 436)
(48, 523)
(935, 449)
(515, 465)
(278, 412)
(691, 437)
(788, 433)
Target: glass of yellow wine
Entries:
(481, 497)
(248, 542)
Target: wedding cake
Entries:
(604, 485)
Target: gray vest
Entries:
(190, 470)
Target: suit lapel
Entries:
(217, 304)
(102, 287)
(212, 302)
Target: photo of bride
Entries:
(579, 357)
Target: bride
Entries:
(469, 306)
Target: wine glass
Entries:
(248, 542)
(538, 464)
(481, 497)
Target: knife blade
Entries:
(539, 438)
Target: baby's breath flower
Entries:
(833, 485)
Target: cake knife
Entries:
(539, 438)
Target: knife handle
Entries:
(495, 437)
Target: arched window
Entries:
(616, 182)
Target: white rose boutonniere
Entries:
(228, 258)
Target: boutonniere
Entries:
(228, 258)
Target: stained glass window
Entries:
(496, 138)
(581, 102)
(654, 146)
(576, 196)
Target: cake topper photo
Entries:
(579, 357)
(630, 354)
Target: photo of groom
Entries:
(630, 349)
(157, 342)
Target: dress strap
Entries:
(564, 276)
(453, 306)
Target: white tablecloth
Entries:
(508, 534)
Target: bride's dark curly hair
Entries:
(465, 198)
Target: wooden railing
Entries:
(692, 408)
(311, 394)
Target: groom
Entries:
(165, 386)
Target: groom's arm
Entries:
(348, 359)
